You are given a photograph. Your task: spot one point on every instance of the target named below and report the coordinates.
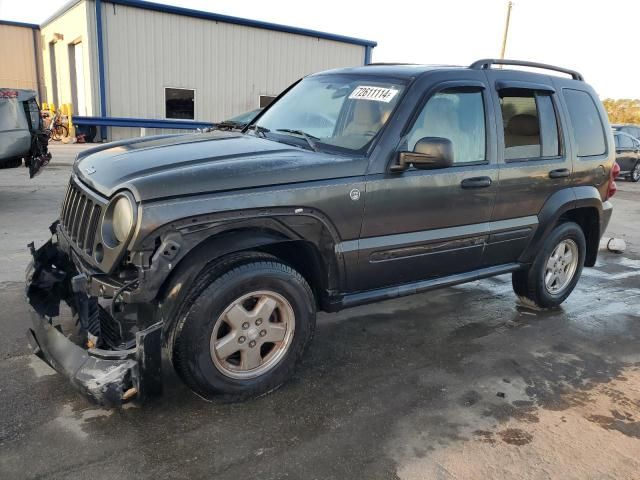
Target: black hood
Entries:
(176, 165)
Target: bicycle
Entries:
(57, 129)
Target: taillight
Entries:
(613, 188)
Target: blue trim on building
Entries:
(140, 123)
(367, 55)
(101, 75)
(187, 12)
(11, 23)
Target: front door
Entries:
(420, 224)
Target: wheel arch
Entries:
(582, 205)
(311, 252)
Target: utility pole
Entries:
(506, 30)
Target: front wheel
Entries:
(634, 176)
(556, 269)
(244, 330)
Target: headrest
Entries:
(523, 124)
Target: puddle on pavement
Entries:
(75, 421)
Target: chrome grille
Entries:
(80, 217)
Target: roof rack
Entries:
(486, 64)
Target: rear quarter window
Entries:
(588, 130)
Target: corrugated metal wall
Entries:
(228, 65)
(74, 26)
(17, 58)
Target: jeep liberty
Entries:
(356, 185)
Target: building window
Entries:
(265, 100)
(179, 103)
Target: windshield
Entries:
(345, 112)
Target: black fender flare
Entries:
(175, 270)
(557, 205)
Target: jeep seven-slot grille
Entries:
(79, 218)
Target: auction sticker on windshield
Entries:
(378, 94)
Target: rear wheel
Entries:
(58, 132)
(243, 330)
(556, 269)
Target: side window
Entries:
(616, 139)
(530, 124)
(458, 115)
(626, 142)
(587, 125)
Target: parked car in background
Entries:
(222, 246)
(628, 128)
(627, 155)
(22, 135)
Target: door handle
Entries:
(476, 182)
(559, 173)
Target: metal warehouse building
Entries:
(135, 67)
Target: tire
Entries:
(530, 285)
(13, 163)
(634, 176)
(58, 132)
(201, 324)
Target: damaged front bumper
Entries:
(108, 377)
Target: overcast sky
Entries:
(599, 39)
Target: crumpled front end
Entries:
(107, 375)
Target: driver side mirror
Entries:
(429, 153)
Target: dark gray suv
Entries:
(356, 185)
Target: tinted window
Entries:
(625, 141)
(587, 126)
(457, 115)
(529, 123)
(179, 103)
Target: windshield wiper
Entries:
(309, 138)
(260, 131)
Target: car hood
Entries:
(175, 165)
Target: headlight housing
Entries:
(119, 219)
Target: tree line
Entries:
(623, 110)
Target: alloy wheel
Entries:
(252, 335)
(561, 266)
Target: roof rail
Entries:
(486, 64)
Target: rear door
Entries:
(421, 224)
(533, 159)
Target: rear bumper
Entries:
(107, 377)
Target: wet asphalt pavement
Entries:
(456, 383)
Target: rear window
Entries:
(588, 130)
